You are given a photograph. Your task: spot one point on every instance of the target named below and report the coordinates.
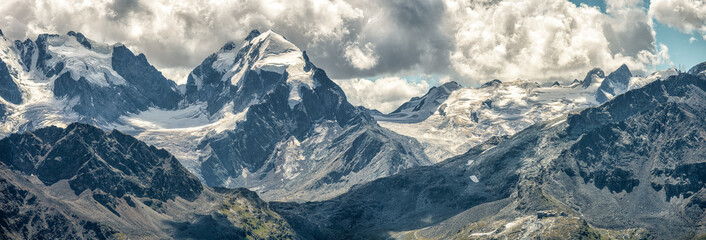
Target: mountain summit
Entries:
(292, 112)
(233, 73)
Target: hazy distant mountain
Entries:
(418, 109)
(465, 117)
(82, 183)
(630, 168)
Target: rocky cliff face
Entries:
(630, 165)
(8, 88)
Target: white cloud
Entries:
(384, 94)
(472, 41)
(176, 74)
(686, 15)
(549, 39)
(364, 58)
(692, 39)
(178, 35)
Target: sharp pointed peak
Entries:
(623, 67)
(268, 35)
(253, 34)
(588, 80)
(622, 70)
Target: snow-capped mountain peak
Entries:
(58, 79)
(492, 83)
(699, 69)
(615, 83)
(419, 108)
(592, 76)
(266, 52)
(81, 58)
(638, 82)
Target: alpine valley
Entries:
(261, 144)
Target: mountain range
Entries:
(97, 143)
(256, 114)
(451, 119)
(631, 168)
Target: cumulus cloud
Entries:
(688, 16)
(549, 39)
(384, 94)
(469, 41)
(364, 58)
(347, 38)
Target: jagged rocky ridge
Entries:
(104, 82)
(82, 183)
(630, 168)
(255, 114)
